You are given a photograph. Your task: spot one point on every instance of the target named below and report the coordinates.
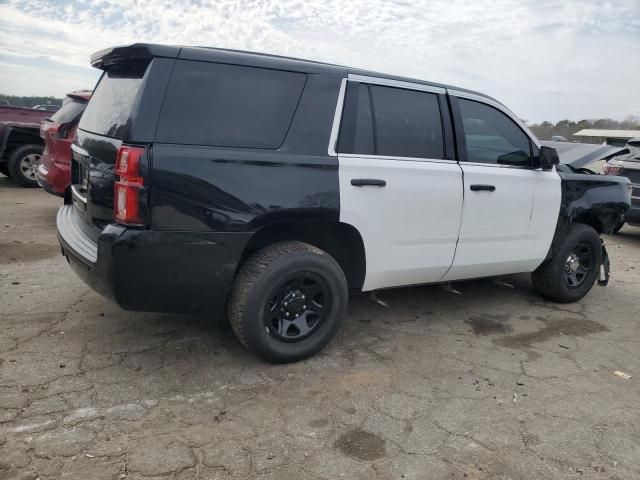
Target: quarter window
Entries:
(390, 121)
(228, 105)
(492, 137)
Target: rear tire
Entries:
(571, 273)
(22, 164)
(288, 301)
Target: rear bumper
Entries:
(53, 176)
(149, 270)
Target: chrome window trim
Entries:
(387, 82)
(498, 106)
(404, 159)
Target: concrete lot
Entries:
(495, 383)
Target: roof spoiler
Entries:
(104, 59)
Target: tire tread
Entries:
(548, 278)
(249, 273)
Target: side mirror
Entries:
(548, 157)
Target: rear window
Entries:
(228, 105)
(110, 107)
(69, 112)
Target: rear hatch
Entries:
(60, 127)
(103, 128)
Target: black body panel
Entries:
(596, 200)
(154, 271)
(207, 189)
(203, 188)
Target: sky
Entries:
(544, 59)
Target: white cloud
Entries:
(545, 59)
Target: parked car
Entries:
(54, 170)
(585, 157)
(284, 184)
(20, 143)
(558, 138)
(628, 166)
(47, 108)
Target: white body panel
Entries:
(409, 227)
(510, 229)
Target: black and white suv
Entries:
(205, 177)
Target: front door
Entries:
(510, 208)
(397, 186)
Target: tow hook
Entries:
(603, 272)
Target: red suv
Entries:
(54, 171)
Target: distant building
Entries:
(617, 138)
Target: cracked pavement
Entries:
(494, 383)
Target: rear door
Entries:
(400, 185)
(510, 207)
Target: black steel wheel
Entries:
(579, 264)
(288, 301)
(297, 307)
(571, 272)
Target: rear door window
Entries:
(111, 104)
(391, 121)
(228, 105)
(69, 112)
(407, 123)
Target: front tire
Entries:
(23, 163)
(288, 301)
(571, 273)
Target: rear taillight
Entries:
(129, 187)
(612, 169)
(54, 130)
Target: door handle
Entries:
(365, 182)
(488, 188)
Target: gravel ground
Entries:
(492, 383)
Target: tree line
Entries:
(28, 102)
(567, 128)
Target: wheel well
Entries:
(343, 242)
(19, 137)
(591, 220)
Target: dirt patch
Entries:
(571, 327)
(359, 379)
(319, 423)
(489, 323)
(362, 445)
(26, 252)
